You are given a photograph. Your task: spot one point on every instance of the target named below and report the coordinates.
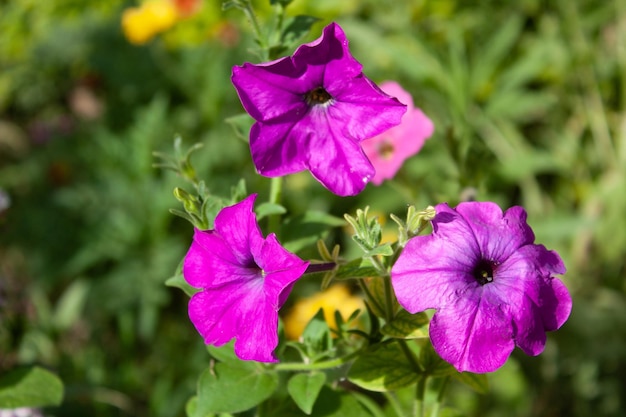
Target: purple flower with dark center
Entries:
(491, 286)
(312, 110)
(245, 279)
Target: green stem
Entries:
(368, 403)
(276, 191)
(246, 7)
(410, 356)
(389, 302)
(395, 404)
(368, 295)
(442, 390)
(420, 390)
(334, 363)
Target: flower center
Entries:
(317, 96)
(483, 272)
(385, 150)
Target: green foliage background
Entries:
(528, 100)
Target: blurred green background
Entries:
(528, 99)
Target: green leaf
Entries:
(268, 209)
(407, 326)
(477, 382)
(384, 250)
(331, 404)
(191, 406)
(432, 362)
(284, 3)
(304, 389)
(383, 368)
(241, 125)
(178, 281)
(316, 334)
(225, 353)
(376, 288)
(234, 387)
(357, 268)
(70, 306)
(305, 230)
(297, 28)
(30, 387)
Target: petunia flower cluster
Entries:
(492, 287)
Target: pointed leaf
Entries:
(358, 268)
(234, 387)
(383, 368)
(384, 250)
(297, 28)
(70, 306)
(431, 362)
(316, 334)
(305, 230)
(30, 387)
(304, 389)
(268, 209)
(407, 326)
(178, 281)
(225, 353)
(477, 382)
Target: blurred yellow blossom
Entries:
(337, 297)
(140, 24)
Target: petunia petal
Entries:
(475, 335)
(278, 149)
(208, 260)
(336, 161)
(433, 270)
(282, 269)
(497, 234)
(362, 110)
(240, 313)
(269, 92)
(239, 229)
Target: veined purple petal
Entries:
(431, 273)
(474, 336)
(337, 162)
(362, 110)
(238, 227)
(238, 312)
(277, 149)
(267, 95)
(498, 235)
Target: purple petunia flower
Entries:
(491, 285)
(311, 112)
(245, 279)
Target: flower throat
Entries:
(483, 272)
(317, 96)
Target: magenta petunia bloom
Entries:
(312, 110)
(388, 151)
(491, 286)
(245, 279)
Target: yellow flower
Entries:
(337, 297)
(140, 24)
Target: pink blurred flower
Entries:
(388, 151)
